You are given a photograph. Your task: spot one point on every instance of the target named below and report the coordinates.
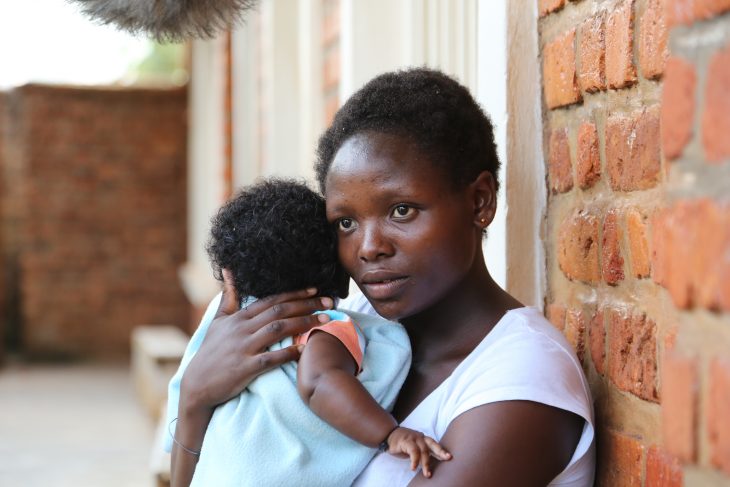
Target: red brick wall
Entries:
(638, 227)
(98, 215)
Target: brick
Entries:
(638, 244)
(678, 106)
(662, 469)
(669, 256)
(632, 354)
(633, 155)
(679, 406)
(558, 71)
(718, 413)
(549, 6)
(716, 114)
(555, 313)
(592, 71)
(575, 331)
(705, 9)
(620, 70)
(693, 278)
(688, 11)
(620, 459)
(653, 40)
(560, 170)
(588, 165)
(578, 247)
(612, 263)
(710, 268)
(597, 337)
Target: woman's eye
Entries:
(402, 211)
(344, 224)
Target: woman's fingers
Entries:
(277, 330)
(268, 360)
(282, 311)
(436, 449)
(230, 300)
(263, 304)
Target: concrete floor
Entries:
(72, 425)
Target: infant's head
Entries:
(274, 237)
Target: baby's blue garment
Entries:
(267, 436)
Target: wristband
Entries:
(169, 430)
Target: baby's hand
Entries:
(419, 447)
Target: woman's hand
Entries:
(405, 442)
(234, 350)
(233, 353)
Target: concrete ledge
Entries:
(156, 354)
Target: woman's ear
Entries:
(484, 194)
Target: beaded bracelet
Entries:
(169, 430)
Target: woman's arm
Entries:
(232, 354)
(515, 443)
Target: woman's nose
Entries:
(374, 244)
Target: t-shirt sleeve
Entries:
(346, 331)
(527, 366)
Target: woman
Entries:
(408, 169)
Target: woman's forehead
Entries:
(377, 156)
(380, 170)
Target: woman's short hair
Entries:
(426, 106)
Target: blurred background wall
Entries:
(94, 216)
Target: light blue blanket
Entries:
(267, 436)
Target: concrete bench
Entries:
(156, 354)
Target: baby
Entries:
(271, 238)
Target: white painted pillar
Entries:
(205, 164)
(373, 40)
(491, 94)
(525, 184)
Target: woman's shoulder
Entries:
(523, 358)
(525, 339)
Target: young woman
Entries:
(408, 169)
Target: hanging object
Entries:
(168, 20)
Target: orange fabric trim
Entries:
(344, 331)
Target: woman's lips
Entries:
(385, 288)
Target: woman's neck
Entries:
(465, 315)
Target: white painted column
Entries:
(245, 103)
(205, 164)
(491, 94)
(373, 40)
(311, 96)
(280, 50)
(525, 184)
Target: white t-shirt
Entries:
(523, 358)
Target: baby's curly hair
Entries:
(274, 237)
(426, 106)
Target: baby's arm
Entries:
(327, 383)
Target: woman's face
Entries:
(405, 235)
